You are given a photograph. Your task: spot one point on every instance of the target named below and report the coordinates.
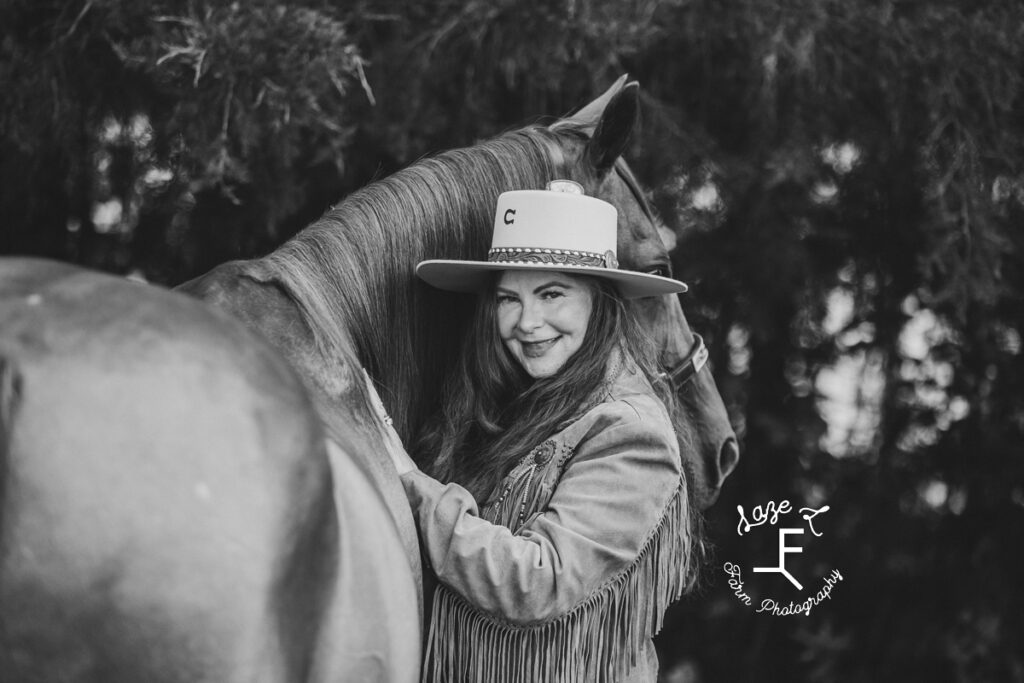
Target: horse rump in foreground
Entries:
(168, 508)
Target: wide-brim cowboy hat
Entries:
(559, 229)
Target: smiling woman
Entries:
(554, 514)
(542, 318)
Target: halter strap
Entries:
(687, 368)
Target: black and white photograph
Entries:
(473, 341)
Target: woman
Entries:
(563, 534)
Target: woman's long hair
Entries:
(493, 413)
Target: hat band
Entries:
(557, 257)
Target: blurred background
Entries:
(844, 181)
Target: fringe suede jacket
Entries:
(565, 573)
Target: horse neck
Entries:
(352, 271)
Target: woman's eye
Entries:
(660, 271)
(552, 294)
(505, 299)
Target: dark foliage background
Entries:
(845, 182)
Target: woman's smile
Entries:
(536, 349)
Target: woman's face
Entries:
(542, 317)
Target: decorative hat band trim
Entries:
(561, 257)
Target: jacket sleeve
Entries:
(609, 501)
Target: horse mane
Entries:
(351, 272)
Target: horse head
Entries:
(596, 137)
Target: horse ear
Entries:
(614, 128)
(588, 116)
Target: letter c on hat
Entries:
(512, 213)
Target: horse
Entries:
(256, 532)
(346, 281)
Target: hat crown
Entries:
(542, 220)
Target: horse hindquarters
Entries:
(168, 511)
(248, 292)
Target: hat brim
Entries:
(472, 276)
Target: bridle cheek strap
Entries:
(687, 368)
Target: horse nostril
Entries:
(728, 457)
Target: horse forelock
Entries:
(351, 272)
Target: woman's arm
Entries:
(610, 500)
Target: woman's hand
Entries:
(392, 442)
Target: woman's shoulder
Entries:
(628, 397)
(632, 388)
(630, 416)
(624, 434)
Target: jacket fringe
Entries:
(598, 641)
